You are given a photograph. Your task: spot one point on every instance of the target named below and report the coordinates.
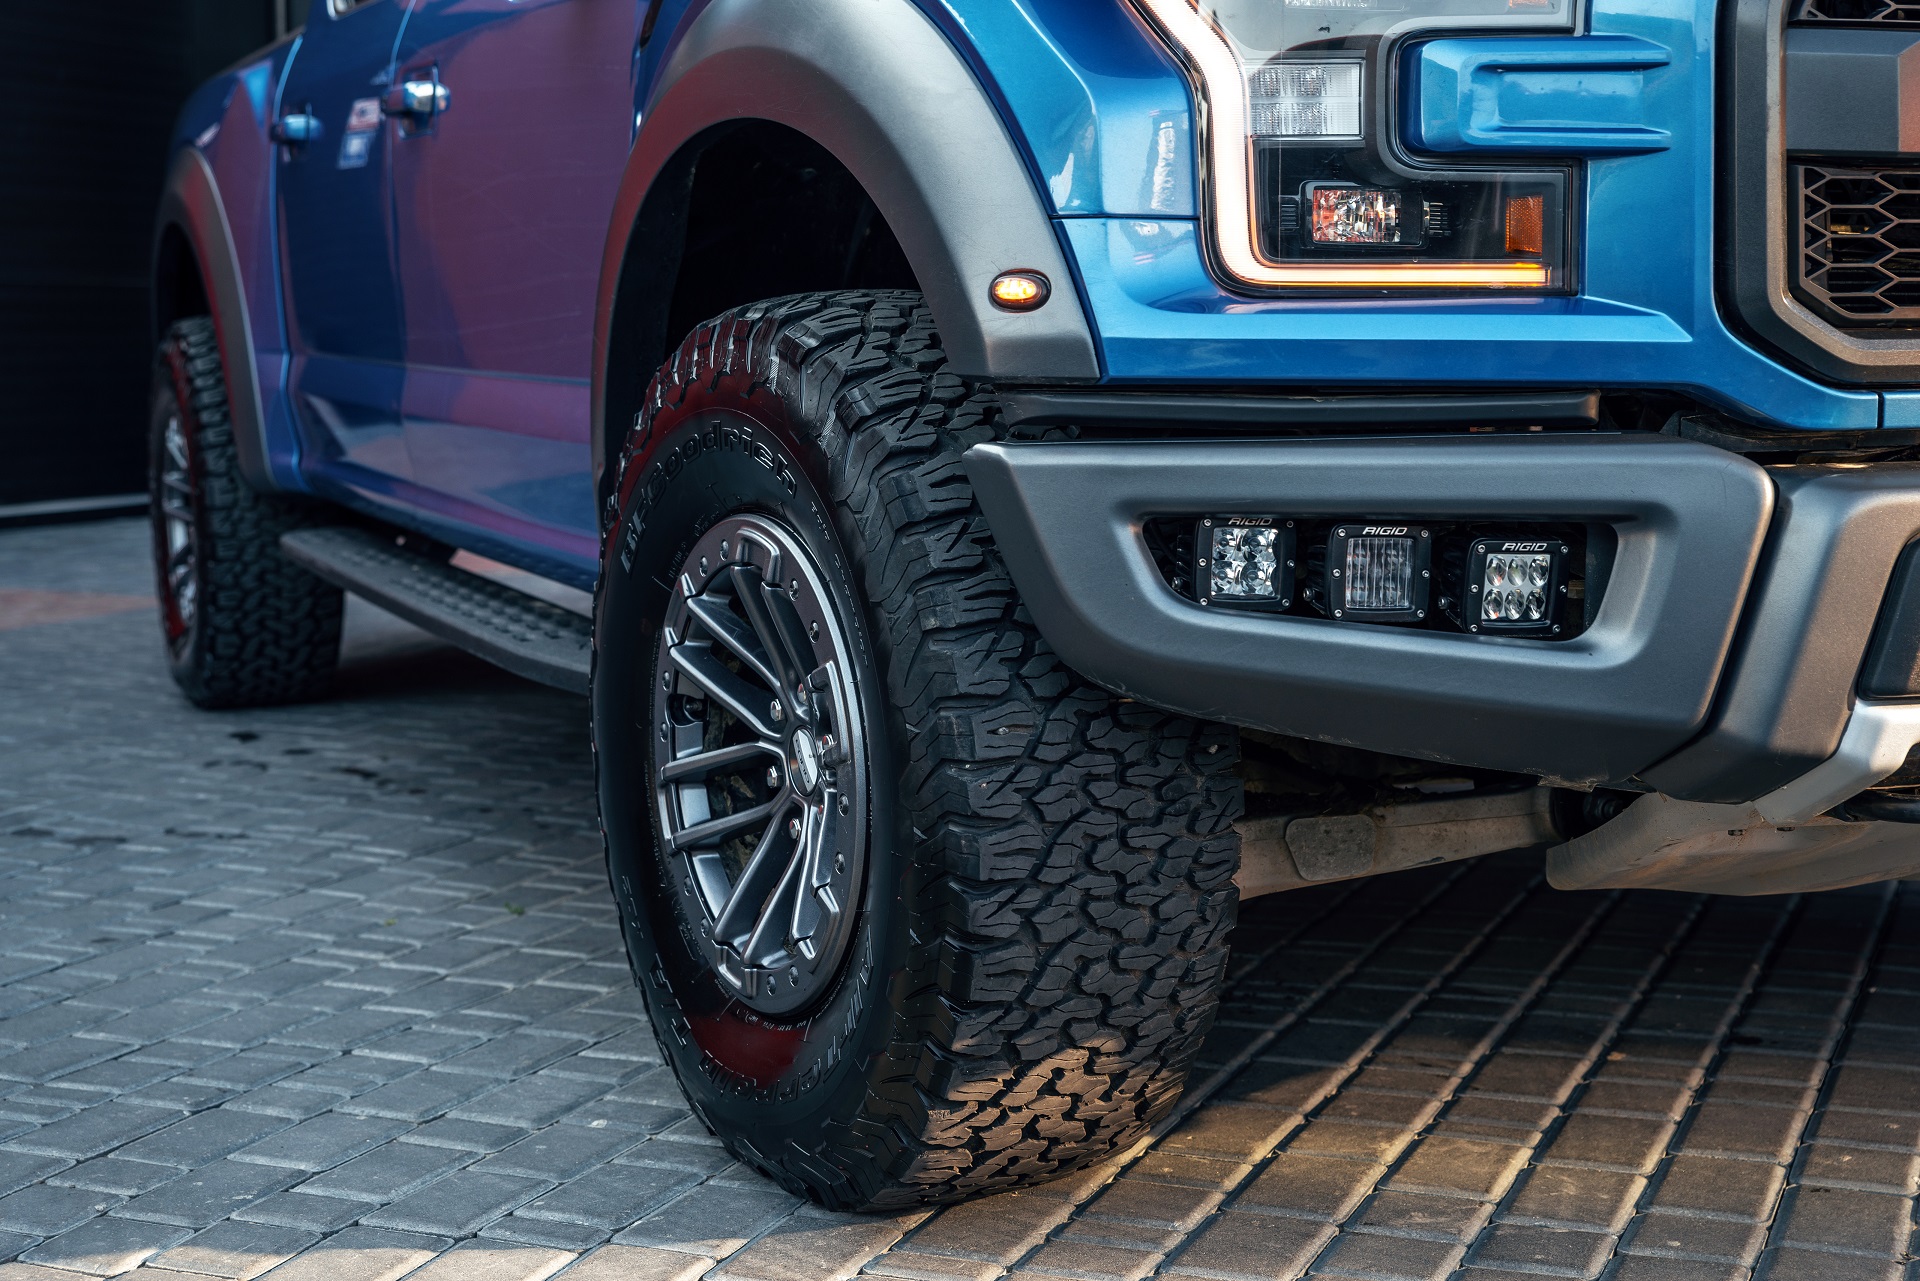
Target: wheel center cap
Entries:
(806, 760)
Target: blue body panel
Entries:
(461, 405)
(1536, 95)
(227, 119)
(1645, 315)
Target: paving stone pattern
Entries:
(334, 993)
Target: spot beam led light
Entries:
(1513, 586)
(1244, 561)
(1379, 573)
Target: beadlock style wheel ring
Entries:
(179, 574)
(760, 765)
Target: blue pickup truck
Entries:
(1047, 470)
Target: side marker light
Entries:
(1526, 225)
(1019, 290)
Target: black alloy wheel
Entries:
(760, 763)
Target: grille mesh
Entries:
(1860, 243)
(1883, 11)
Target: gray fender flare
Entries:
(879, 86)
(191, 202)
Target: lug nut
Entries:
(793, 828)
(777, 713)
(773, 777)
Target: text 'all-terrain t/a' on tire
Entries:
(245, 627)
(918, 912)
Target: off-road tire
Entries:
(1044, 933)
(262, 630)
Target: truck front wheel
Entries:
(918, 913)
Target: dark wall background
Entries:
(88, 93)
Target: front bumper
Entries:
(1719, 667)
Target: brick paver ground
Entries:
(334, 993)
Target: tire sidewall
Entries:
(730, 447)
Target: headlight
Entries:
(1307, 186)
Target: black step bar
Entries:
(527, 636)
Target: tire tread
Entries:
(1075, 869)
(268, 631)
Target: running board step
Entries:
(527, 636)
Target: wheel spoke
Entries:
(701, 764)
(769, 938)
(735, 924)
(736, 636)
(754, 699)
(714, 830)
(697, 662)
(822, 837)
(777, 627)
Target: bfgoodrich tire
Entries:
(244, 626)
(918, 912)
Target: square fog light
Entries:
(1379, 573)
(1244, 561)
(1514, 586)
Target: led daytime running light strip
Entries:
(1230, 153)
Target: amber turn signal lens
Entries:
(1526, 225)
(1019, 290)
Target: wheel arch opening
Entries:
(179, 286)
(746, 210)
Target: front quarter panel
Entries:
(219, 195)
(1080, 83)
(878, 85)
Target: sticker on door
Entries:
(357, 142)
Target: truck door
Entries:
(504, 180)
(336, 197)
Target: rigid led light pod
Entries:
(1244, 561)
(1513, 586)
(1378, 572)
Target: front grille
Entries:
(1859, 259)
(1876, 11)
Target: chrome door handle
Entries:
(295, 128)
(417, 98)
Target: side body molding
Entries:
(879, 86)
(191, 202)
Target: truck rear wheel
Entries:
(918, 912)
(244, 626)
